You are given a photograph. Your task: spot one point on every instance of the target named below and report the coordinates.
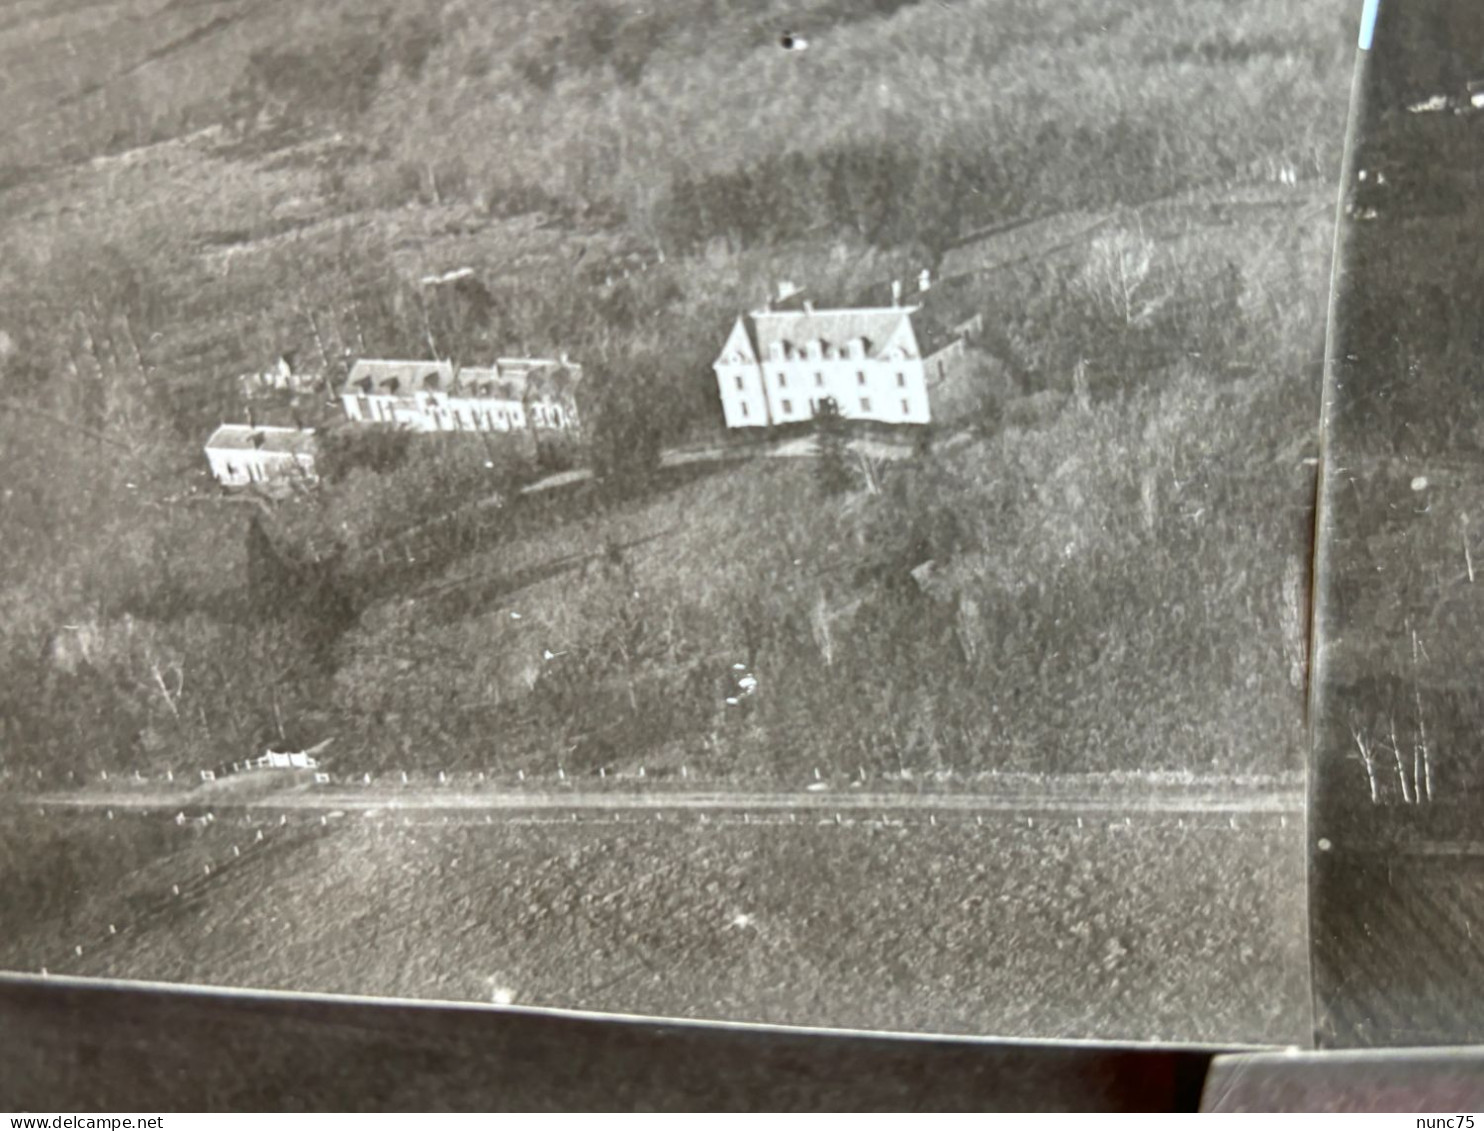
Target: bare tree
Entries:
(171, 695)
(1401, 768)
(819, 623)
(1120, 273)
(968, 627)
(319, 341)
(1468, 555)
(1421, 755)
(1368, 760)
(872, 468)
(1081, 390)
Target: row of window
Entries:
(542, 414)
(391, 386)
(860, 379)
(787, 407)
(254, 472)
(855, 348)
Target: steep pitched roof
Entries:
(397, 376)
(937, 311)
(877, 327)
(933, 334)
(740, 343)
(509, 378)
(246, 437)
(523, 374)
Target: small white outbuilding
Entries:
(243, 454)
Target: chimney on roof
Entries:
(896, 292)
(251, 419)
(924, 280)
(808, 307)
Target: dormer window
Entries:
(776, 351)
(390, 385)
(430, 381)
(366, 384)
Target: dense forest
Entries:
(283, 175)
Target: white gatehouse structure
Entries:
(241, 455)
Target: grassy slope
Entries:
(1000, 929)
(995, 72)
(680, 70)
(1219, 90)
(1129, 582)
(1222, 545)
(300, 243)
(65, 878)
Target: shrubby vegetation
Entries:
(585, 160)
(911, 929)
(596, 102)
(1105, 591)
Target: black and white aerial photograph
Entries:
(1398, 791)
(784, 513)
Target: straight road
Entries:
(1285, 802)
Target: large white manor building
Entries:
(780, 362)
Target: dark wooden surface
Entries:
(75, 1047)
(1397, 877)
(1445, 1080)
